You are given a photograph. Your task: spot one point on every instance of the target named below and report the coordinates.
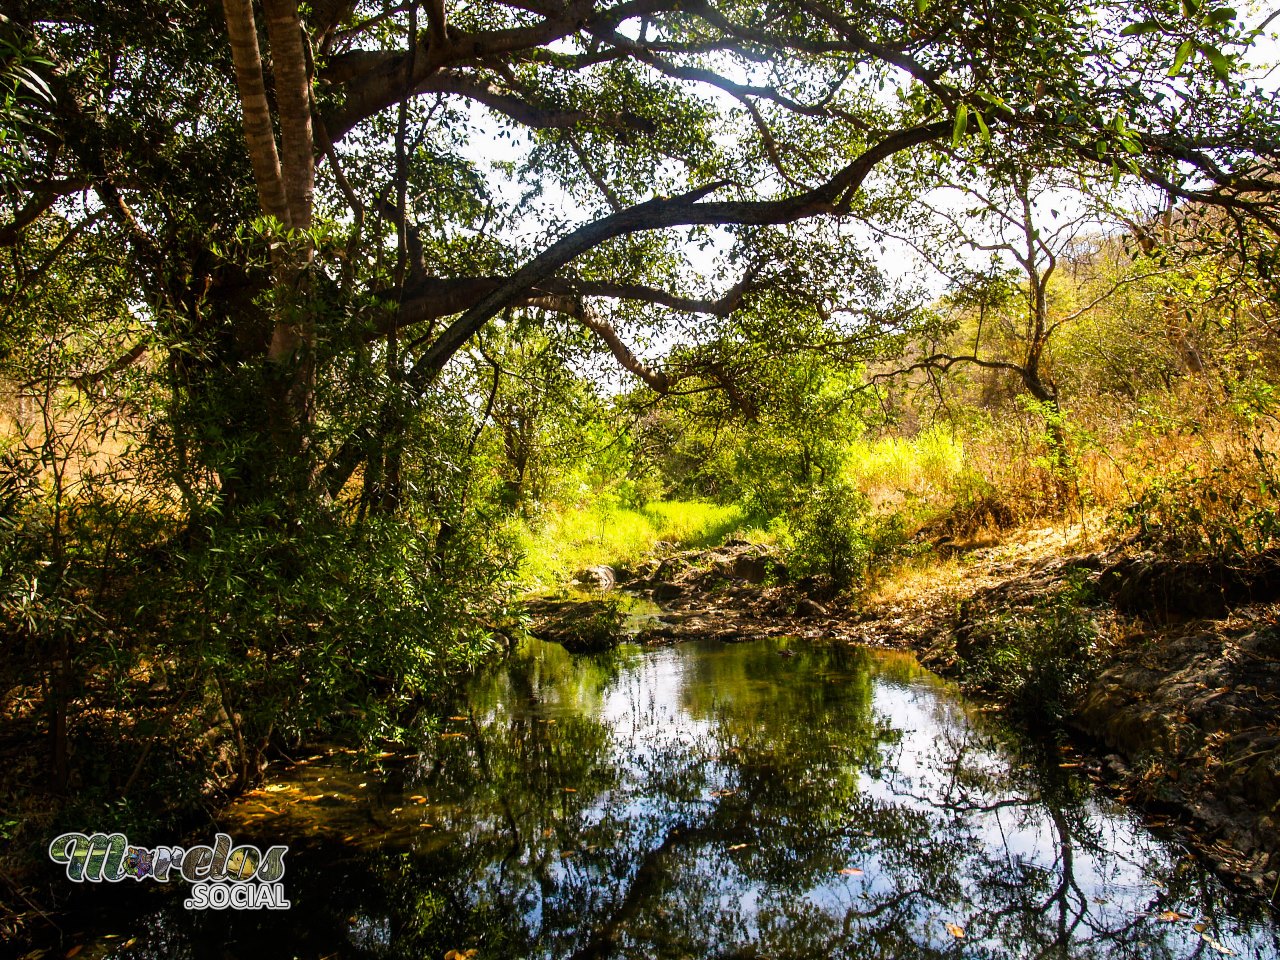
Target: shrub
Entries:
(601, 625)
(1228, 513)
(1038, 659)
(835, 535)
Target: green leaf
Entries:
(982, 127)
(1221, 16)
(962, 122)
(1181, 57)
(35, 83)
(1221, 65)
(1139, 29)
(1190, 7)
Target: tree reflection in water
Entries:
(725, 801)
(704, 800)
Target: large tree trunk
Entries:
(285, 180)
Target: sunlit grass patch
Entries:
(565, 541)
(891, 469)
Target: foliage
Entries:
(835, 536)
(562, 542)
(894, 469)
(1231, 512)
(292, 356)
(1035, 659)
(598, 625)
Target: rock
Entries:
(1116, 767)
(580, 626)
(663, 590)
(597, 578)
(752, 569)
(810, 608)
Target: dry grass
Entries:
(961, 568)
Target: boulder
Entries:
(596, 578)
(665, 591)
(757, 569)
(810, 608)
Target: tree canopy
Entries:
(288, 187)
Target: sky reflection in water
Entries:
(734, 801)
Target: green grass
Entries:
(569, 540)
(924, 466)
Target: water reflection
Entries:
(729, 801)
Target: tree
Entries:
(348, 213)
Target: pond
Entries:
(764, 799)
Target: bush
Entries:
(835, 535)
(601, 625)
(1035, 660)
(1228, 513)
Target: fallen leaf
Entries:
(457, 718)
(447, 736)
(570, 790)
(1200, 927)
(74, 950)
(851, 872)
(955, 930)
(740, 846)
(1171, 916)
(460, 954)
(1214, 944)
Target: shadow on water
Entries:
(709, 801)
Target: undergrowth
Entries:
(565, 541)
(1034, 659)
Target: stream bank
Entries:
(1166, 675)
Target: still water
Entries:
(707, 800)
